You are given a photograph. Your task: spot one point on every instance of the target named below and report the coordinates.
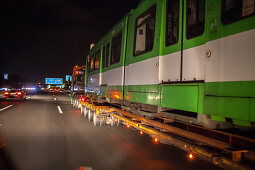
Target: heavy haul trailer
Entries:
(188, 61)
(78, 80)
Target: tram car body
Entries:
(191, 60)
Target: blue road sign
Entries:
(53, 81)
(68, 78)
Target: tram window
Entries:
(144, 32)
(116, 48)
(172, 22)
(195, 18)
(235, 10)
(107, 54)
(90, 63)
(97, 59)
(103, 57)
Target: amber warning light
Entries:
(155, 139)
(191, 156)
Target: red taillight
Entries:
(6, 93)
(82, 99)
(19, 93)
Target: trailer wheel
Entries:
(77, 104)
(90, 115)
(74, 101)
(95, 120)
(113, 121)
(119, 122)
(85, 112)
(103, 121)
(82, 110)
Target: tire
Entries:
(74, 101)
(82, 111)
(119, 122)
(90, 115)
(95, 120)
(103, 121)
(78, 105)
(75, 104)
(113, 122)
(85, 112)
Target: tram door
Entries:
(183, 55)
(194, 38)
(182, 58)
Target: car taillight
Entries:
(19, 93)
(6, 93)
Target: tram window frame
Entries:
(103, 56)
(153, 11)
(197, 24)
(97, 59)
(174, 23)
(116, 45)
(107, 54)
(226, 19)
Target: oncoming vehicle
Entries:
(15, 94)
(190, 60)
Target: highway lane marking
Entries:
(59, 109)
(6, 107)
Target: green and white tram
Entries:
(191, 60)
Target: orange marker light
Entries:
(141, 132)
(19, 93)
(128, 126)
(191, 156)
(155, 139)
(116, 96)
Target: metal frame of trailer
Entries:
(220, 148)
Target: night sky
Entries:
(46, 38)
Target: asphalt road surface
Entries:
(40, 137)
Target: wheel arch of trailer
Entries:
(188, 58)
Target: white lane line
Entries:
(6, 107)
(59, 109)
(55, 99)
